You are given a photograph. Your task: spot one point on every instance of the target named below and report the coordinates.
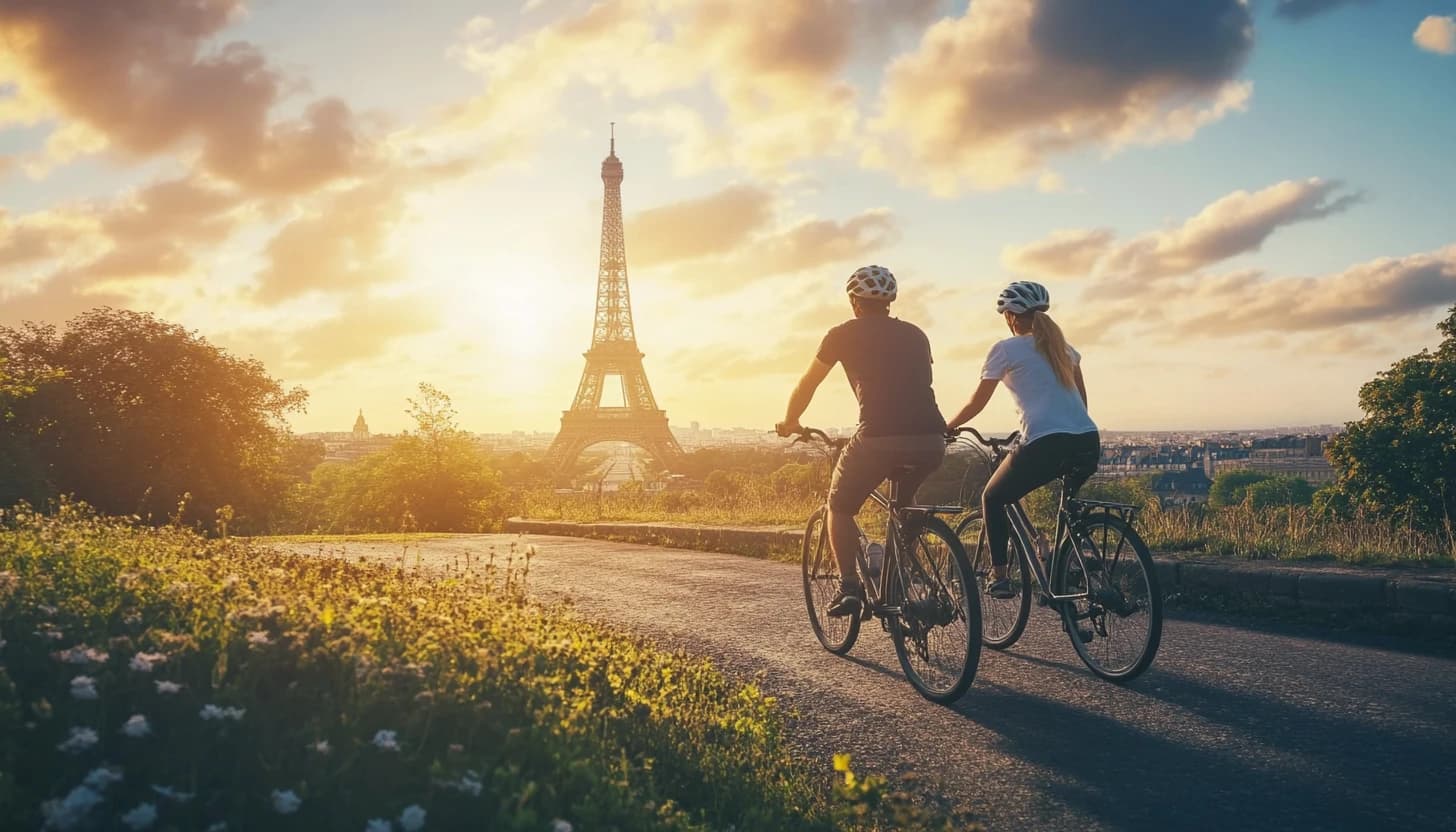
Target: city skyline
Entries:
(1242, 210)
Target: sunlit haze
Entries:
(1242, 211)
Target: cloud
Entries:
(1232, 225)
(986, 98)
(1305, 9)
(808, 244)
(339, 244)
(360, 328)
(163, 92)
(698, 227)
(1437, 34)
(1065, 253)
(1388, 289)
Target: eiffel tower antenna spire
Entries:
(613, 353)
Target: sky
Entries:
(1242, 210)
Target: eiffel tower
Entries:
(613, 354)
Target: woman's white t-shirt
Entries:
(1045, 405)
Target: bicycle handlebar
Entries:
(992, 443)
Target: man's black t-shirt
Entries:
(888, 364)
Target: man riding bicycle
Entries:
(900, 431)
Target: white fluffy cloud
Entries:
(1437, 34)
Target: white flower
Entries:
(320, 747)
(378, 825)
(83, 687)
(136, 727)
(167, 687)
(46, 608)
(412, 819)
(469, 783)
(81, 654)
(68, 813)
(101, 777)
(385, 741)
(79, 740)
(172, 794)
(286, 802)
(259, 638)
(48, 632)
(144, 662)
(214, 712)
(560, 825)
(220, 826)
(142, 817)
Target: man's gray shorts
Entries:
(868, 461)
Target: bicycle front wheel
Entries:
(937, 633)
(821, 583)
(1002, 619)
(1116, 628)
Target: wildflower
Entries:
(47, 609)
(49, 632)
(101, 777)
(286, 802)
(70, 812)
(144, 662)
(83, 687)
(220, 826)
(81, 654)
(132, 619)
(457, 748)
(259, 638)
(79, 740)
(214, 712)
(378, 825)
(142, 817)
(320, 747)
(560, 825)
(136, 727)
(172, 794)
(469, 783)
(412, 819)
(8, 581)
(385, 741)
(165, 688)
(230, 581)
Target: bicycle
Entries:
(920, 593)
(1100, 578)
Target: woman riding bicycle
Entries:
(1058, 438)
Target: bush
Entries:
(1280, 491)
(1229, 488)
(219, 682)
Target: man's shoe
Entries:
(1001, 589)
(848, 602)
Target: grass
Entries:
(373, 537)
(747, 507)
(149, 677)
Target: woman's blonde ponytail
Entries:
(1052, 344)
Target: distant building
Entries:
(361, 427)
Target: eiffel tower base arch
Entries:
(582, 429)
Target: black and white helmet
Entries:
(1024, 296)
(874, 282)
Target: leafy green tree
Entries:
(1229, 488)
(1279, 491)
(1401, 458)
(130, 413)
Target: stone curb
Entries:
(1423, 599)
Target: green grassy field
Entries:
(151, 677)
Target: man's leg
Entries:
(844, 540)
(859, 470)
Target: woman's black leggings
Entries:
(1070, 455)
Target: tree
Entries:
(130, 413)
(1401, 458)
(1279, 491)
(1229, 488)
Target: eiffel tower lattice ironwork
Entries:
(613, 354)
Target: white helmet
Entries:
(873, 282)
(1023, 296)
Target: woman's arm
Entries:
(1081, 385)
(977, 403)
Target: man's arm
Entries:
(802, 395)
(1081, 385)
(977, 403)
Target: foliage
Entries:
(1401, 457)
(229, 683)
(136, 415)
(1229, 488)
(1280, 491)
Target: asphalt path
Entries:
(1236, 726)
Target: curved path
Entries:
(1232, 728)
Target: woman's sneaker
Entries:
(1001, 589)
(849, 601)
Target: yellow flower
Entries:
(841, 762)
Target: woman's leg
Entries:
(1028, 468)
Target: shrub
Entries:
(1231, 487)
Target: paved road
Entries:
(1233, 728)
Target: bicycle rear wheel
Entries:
(1123, 610)
(937, 633)
(821, 583)
(1002, 619)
